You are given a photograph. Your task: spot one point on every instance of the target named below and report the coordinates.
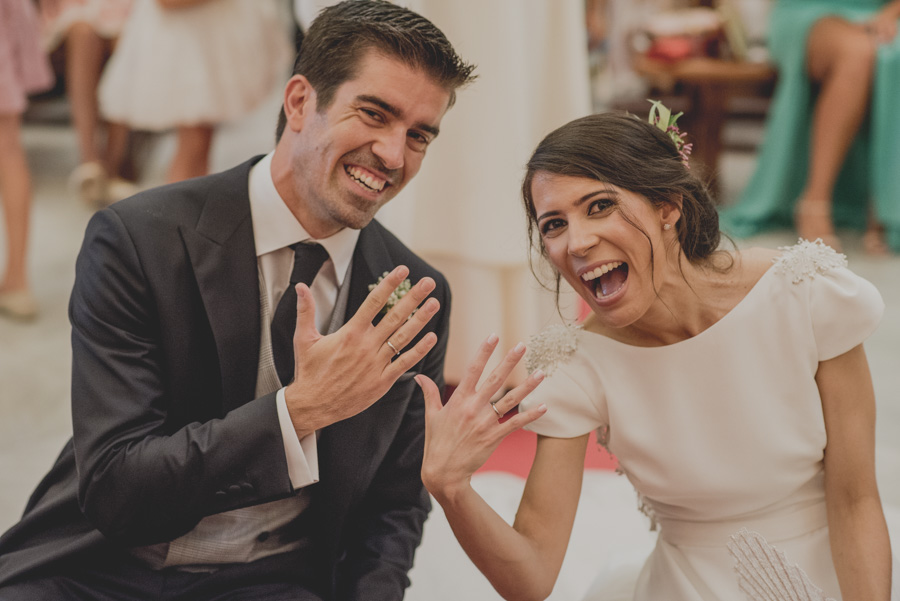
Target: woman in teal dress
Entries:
(831, 153)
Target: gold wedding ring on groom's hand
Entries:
(393, 348)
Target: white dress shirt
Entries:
(275, 229)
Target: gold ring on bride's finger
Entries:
(497, 411)
(393, 348)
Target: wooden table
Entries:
(709, 84)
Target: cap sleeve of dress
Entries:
(571, 390)
(844, 308)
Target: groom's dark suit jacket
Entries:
(165, 339)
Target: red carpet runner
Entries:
(516, 453)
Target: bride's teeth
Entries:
(596, 273)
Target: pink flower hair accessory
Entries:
(661, 116)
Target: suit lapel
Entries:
(222, 251)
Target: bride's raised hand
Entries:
(461, 435)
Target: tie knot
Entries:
(308, 260)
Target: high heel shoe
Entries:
(873, 242)
(89, 181)
(18, 304)
(813, 220)
(118, 189)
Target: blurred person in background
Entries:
(832, 144)
(24, 70)
(89, 30)
(190, 65)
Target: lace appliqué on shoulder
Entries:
(806, 259)
(765, 574)
(603, 440)
(646, 508)
(550, 347)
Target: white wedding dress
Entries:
(204, 64)
(719, 432)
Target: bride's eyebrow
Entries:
(543, 216)
(589, 196)
(611, 194)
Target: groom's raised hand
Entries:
(342, 374)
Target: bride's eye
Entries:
(551, 226)
(600, 205)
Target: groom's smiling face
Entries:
(351, 157)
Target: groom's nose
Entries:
(390, 147)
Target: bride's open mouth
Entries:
(606, 280)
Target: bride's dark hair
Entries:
(632, 154)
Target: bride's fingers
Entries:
(522, 419)
(476, 367)
(431, 393)
(511, 399)
(498, 377)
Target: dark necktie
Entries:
(308, 260)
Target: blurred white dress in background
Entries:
(203, 64)
(463, 212)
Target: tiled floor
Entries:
(35, 358)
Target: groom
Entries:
(220, 451)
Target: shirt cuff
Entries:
(302, 455)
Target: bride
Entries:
(732, 387)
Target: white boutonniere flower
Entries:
(401, 290)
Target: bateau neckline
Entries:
(705, 333)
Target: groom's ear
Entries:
(299, 101)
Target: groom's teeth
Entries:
(365, 179)
(596, 273)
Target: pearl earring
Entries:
(667, 226)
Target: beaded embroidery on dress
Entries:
(806, 259)
(765, 574)
(550, 347)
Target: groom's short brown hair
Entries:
(341, 35)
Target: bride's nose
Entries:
(582, 238)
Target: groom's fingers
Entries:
(403, 309)
(305, 333)
(378, 298)
(408, 359)
(412, 326)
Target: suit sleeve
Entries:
(145, 476)
(388, 527)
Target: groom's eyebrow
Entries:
(395, 112)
